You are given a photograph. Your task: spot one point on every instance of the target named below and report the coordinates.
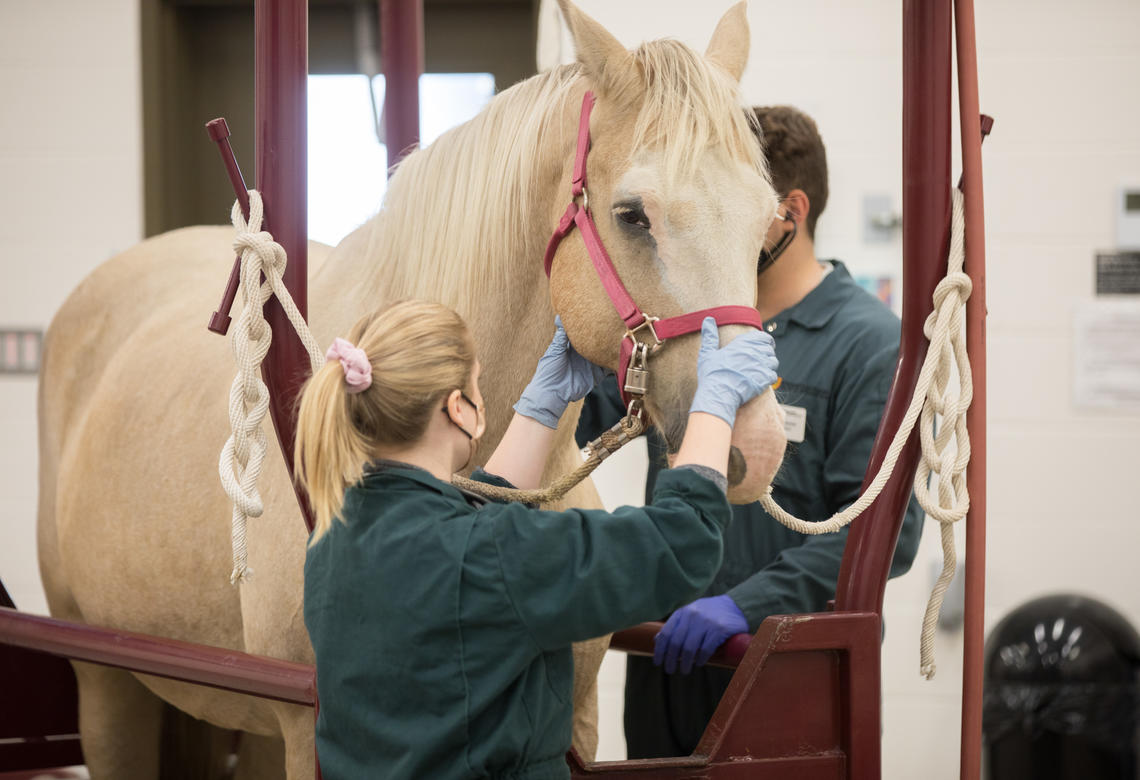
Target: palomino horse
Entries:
(134, 527)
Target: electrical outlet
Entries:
(880, 219)
(20, 351)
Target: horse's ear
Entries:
(729, 45)
(607, 63)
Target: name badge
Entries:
(795, 422)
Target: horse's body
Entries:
(134, 526)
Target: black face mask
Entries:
(768, 256)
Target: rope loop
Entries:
(263, 263)
(936, 396)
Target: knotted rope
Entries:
(262, 265)
(944, 328)
(627, 429)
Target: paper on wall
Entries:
(1106, 355)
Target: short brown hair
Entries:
(796, 157)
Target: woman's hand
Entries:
(727, 378)
(562, 376)
(731, 376)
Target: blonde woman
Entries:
(442, 623)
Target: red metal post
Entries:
(926, 220)
(975, 266)
(402, 58)
(280, 73)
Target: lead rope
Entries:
(944, 328)
(627, 429)
(262, 264)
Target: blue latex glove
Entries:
(731, 376)
(562, 376)
(694, 632)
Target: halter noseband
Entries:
(635, 349)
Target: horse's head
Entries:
(679, 191)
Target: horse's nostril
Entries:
(737, 466)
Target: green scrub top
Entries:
(837, 349)
(442, 624)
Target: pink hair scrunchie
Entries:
(357, 369)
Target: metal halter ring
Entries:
(635, 409)
(646, 323)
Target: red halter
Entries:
(634, 353)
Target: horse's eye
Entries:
(632, 215)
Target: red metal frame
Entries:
(281, 31)
(926, 231)
(402, 58)
(220, 133)
(828, 661)
(41, 706)
(975, 266)
(216, 667)
(821, 671)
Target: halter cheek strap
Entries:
(635, 347)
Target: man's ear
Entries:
(604, 60)
(729, 45)
(797, 205)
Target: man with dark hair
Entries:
(838, 346)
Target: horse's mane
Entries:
(456, 216)
(460, 204)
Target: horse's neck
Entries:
(512, 317)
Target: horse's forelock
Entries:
(691, 105)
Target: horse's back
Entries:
(176, 274)
(133, 395)
(107, 306)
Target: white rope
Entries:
(945, 330)
(262, 265)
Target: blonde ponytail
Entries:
(419, 352)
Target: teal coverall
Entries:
(442, 624)
(837, 349)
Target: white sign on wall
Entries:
(1106, 355)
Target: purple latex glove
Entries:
(694, 632)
